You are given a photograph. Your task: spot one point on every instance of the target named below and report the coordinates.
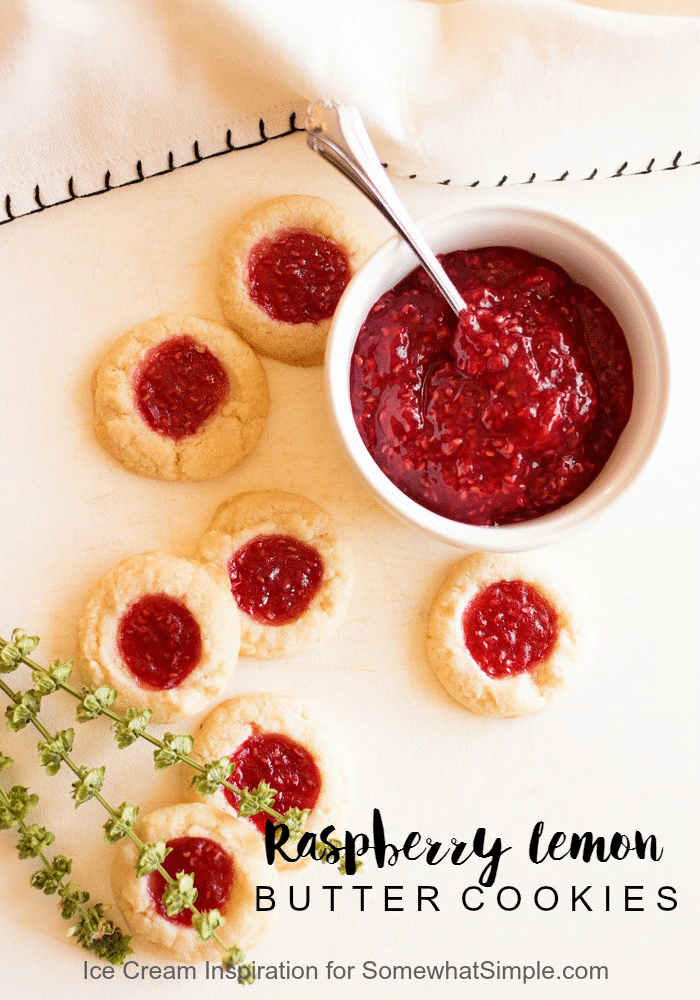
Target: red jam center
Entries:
(159, 640)
(211, 866)
(285, 765)
(510, 412)
(274, 578)
(178, 386)
(297, 276)
(509, 628)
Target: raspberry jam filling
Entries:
(211, 866)
(285, 765)
(505, 415)
(159, 640)
(297, 276)
(178, 386)
(509, 628)
(274, 578)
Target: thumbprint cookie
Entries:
(276, 739)
(227, 861)
(502, 637)
(285, 266)
(180, 398)
(289, 571)
(163, 631)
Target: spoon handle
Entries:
(337, 133)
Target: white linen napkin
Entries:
(100, 93)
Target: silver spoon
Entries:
(337, 133)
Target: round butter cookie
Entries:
(163, 631)
(180, 398)
(501, 637)
(290, 572)
(277, 739)
(285, 266)
(228, 862)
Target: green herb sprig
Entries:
(54, 751)
(92, 929)
(172, 749)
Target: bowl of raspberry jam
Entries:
(511, 425)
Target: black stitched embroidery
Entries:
(231, 147)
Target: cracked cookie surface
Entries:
(163, 631)
(180, 398)
(290, 571)
(284, 266)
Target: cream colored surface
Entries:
(271, 512)
(455, 667)
(599, 758)
(221, 442)
(203, 591)
(244, 926)
(294, 343)
(233, 722)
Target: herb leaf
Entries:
(117, 826)
(150, 857)
(207, 922)
(33, 840)
(15, 805)
(255, 800)
(52, 752)
(215, 774)
(47, 681)
(295, 821)
(88, 785)
(20, 714)
(176, 746)
(133, 725)
(181, 895)
(94, 702)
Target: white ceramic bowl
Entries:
(590, 262)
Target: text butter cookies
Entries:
(501, 635)
(285, 266)
(180, 398)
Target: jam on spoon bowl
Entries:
(588, 261)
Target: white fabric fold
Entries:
(99, 93)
